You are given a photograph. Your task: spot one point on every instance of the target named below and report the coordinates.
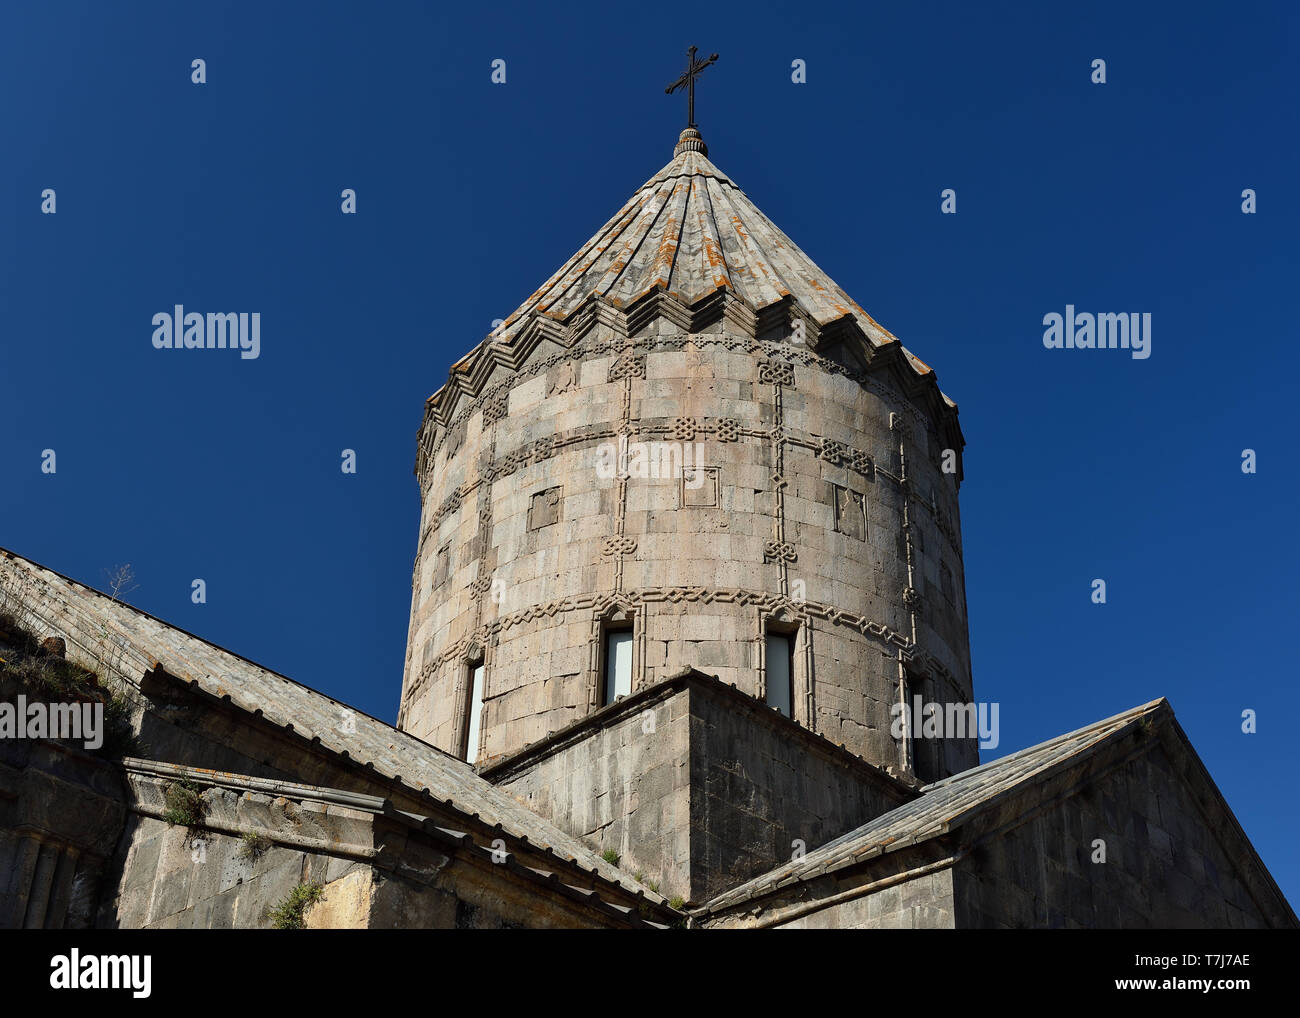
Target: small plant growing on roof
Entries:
(639, 877)
(121, 580)
(50, 675)
(291, 913)
(185, 806)
(47, 675)
(610, 856)
(119, 738)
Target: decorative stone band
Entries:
(627, 366)
(724, 429)
(684, 429)
(767, 602)
(438, 424)
(840, 455)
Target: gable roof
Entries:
(94, 624)
(945, 805)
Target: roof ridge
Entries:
(389, 751)
(1115, 721)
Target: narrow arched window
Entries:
(473, 712)
(617, 680)
(779, 659)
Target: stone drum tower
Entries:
(689, 448)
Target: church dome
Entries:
(690, 232)
(687, 243)
(688, 448)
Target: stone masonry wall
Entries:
(797, 514)
(697, 787)
(1165, 868)
(762, 790)
(621, 786)
(61, 811)
(177, 877)
(923, 903)
(374, 872)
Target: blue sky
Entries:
(1079, 464)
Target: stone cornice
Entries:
(763, 331)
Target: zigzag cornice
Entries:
(470, 375)
(902, 389)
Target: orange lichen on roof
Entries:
(667, 251)
(917, 363)
(669, 236)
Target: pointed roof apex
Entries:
(690, 141)
(690, 232)
(686, 242)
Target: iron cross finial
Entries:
(693, 68)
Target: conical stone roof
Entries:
(689, 231)
(688, 245)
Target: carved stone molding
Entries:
(767, 602)
(833, 452)
(435, 429)
(544, 508)
(620, 545)
(683, 429)
(776, 373)
(495, 410)
(627, 365)
(700, 488)
(779, 551)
